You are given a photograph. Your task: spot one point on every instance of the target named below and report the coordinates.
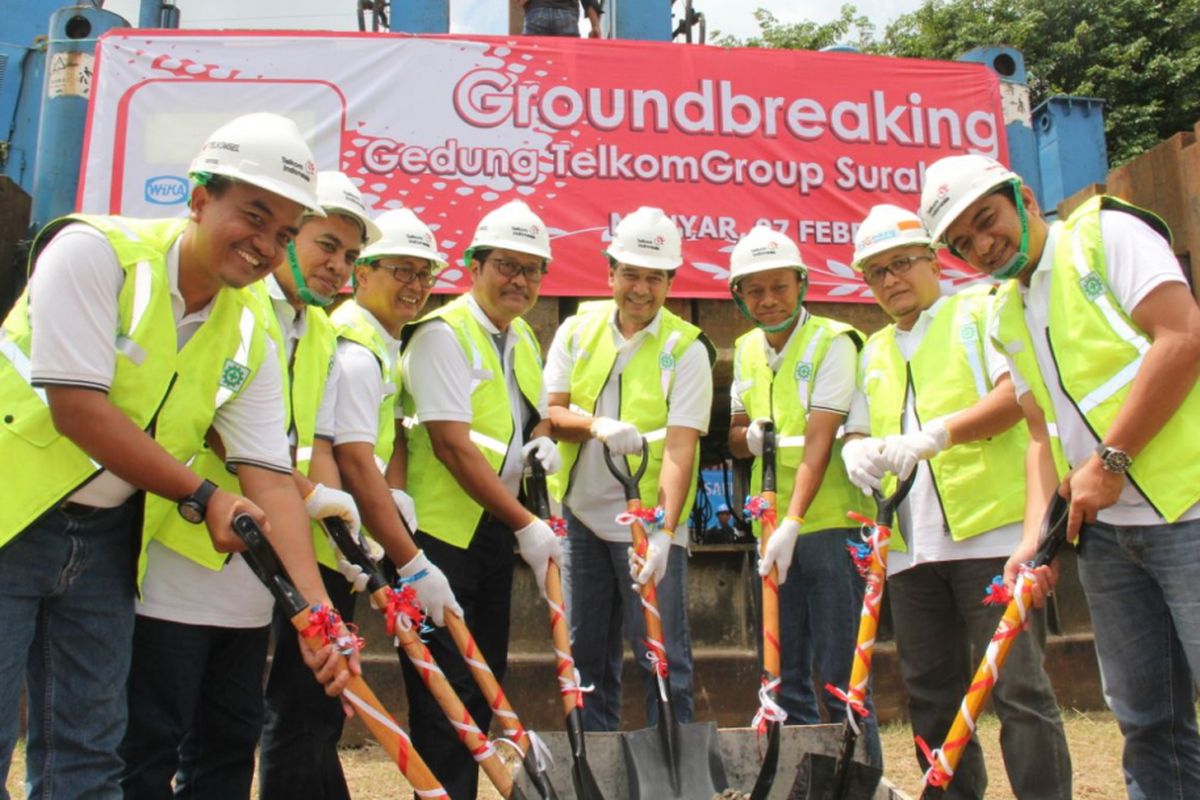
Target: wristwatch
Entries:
(193, 507)
(1115, 461)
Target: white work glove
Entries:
(865, 463)
(324, 502)
(432, 588)
(780, 549)
(406, 507)
(545, 451)
(902, 452)
(353, 573)
(622, 438)
(754, 435)
(658, 553)
(538, 546)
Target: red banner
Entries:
(583, 131)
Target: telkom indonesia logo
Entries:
(166, 190)
(660, 240)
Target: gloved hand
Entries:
(538, 546)
(353, 573)
(865, 463)
(902, 452)
(754, 435)
(655, 563)
(780, 549)
(324, 502)
(544, 450)
(406, 507)
(432, 588)
(622, 438)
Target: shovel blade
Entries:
(649, 768)
(817, 780)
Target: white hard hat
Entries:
(761, 249)
(885, 227)
(954, 183)
(647, 238)
(264, 150)
(512, 226)
(337, 194)
(403, 234)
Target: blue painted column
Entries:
(420, 16)
(70, 58)
(640, 19)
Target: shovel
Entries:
(385, 599)
(672, 760)
(262, 560)
(531, 749)
(944, 760)
(585, 784)
(769, 713)
(824, 777)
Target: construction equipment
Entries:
(582, 779)
(317, 624)
(823, 777)
(672, 760)
(944, 760)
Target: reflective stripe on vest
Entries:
(785, 397)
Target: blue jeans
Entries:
(819, 607)
(195, 711)
(605, 611)
(542, 21)
(66, 598)
(1143, 592)
(942, 631)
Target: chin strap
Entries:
(302, 290)
(782, 326)
(1021, 258)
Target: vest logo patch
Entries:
(804, 371)
(967, 333)
(1092, 285)
(233, 375)
(666, 361)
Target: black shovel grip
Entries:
(885, 507)
(1053, 533)
(629, 479)
(768, 456)
(535, 489)
(352, 551)
(263, 562)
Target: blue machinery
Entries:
(45, 72)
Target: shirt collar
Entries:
(377, 326)
(481, 315)
(651, 328)
(1042, 271)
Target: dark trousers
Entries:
(481, 577)
(195, 710)
(298, 755)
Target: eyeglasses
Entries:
(874, 276)
(404, 275)
(511, 269)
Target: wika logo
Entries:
(166, 190)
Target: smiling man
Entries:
(1102, 335)
(132, 339)
(936, 397)
(473, 382)
(620, 371)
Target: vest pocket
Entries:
(28, 419)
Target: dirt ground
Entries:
(1093, 736)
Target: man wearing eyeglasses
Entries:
(473, 382)
(935, 396)
(619, 371)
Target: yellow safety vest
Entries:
(784, 396)
(1099, 349)
(980, 486)
(447, 512)
(645, 385)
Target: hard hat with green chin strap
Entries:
(887, 227)
(954, 183)
(337, 195)
(512, 226)
(762, 249)
(402, 233)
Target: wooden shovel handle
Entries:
(486, 680)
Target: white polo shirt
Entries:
(594, 495)
(294, 324)
(920, 515)
(362, 386)
(438, 375)
(1138, 261)
(75, 346)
